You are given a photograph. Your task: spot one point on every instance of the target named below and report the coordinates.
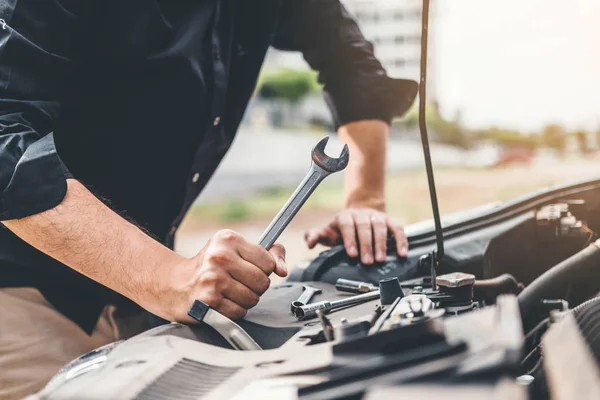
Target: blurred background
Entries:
(513, 106)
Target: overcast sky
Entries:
(519, 63)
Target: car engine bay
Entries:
(512, 278)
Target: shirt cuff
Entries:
(382, 99)
(38, 183)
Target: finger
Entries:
(330, 236)
(312, 237)
(251, 276)
(346, 226)
(241, 294)
(231, 310)
(400, 237)
(278, 253)
(257, 255)
(326, 235)
(380, 229)
(364, 232)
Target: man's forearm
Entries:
(89, 237)
(365, 174)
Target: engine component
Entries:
(578, 271)
(455, 280)
(561, 220)
(571, 370)
(488, 289)
(326, 326)
(389, 290)
(427, 263)
(351, 330)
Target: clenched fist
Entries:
(229, 274)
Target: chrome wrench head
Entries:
(329, 164)
(321, 166)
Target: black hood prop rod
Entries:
(429, 260)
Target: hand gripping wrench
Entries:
(321, 166)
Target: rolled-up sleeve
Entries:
(356, 85)
(37, 44)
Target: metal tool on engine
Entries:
(305, 297)
(347, 285)
(237, 337)
(310, 310)
(321, 166)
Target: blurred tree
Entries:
(554, 137)
(582, 141)
(509, 138)
(288, 84)
(442, 130)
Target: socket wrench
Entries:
(346, 285)
(305, 297)
(310, 310)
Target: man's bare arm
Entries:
(364, 178)
(362, 224)
(83, 233)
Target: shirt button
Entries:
(196, 177)
(216, 121)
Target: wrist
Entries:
(160, 272)
(365, 201)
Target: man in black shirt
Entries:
(114, 115)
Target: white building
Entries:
(394, 29)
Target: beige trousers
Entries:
(36, 341)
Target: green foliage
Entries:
(235, 211)
(509, 138)
(288, 84)
(442, 130)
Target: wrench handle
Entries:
(292, 206)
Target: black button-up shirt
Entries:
(141, 99)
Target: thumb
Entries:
(278, 253)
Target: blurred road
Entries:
(259, 160)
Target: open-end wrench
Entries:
(305, 297)
(237, 337)
(321, 166)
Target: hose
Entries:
(580, 271)
(577, 310)
(489, 289)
